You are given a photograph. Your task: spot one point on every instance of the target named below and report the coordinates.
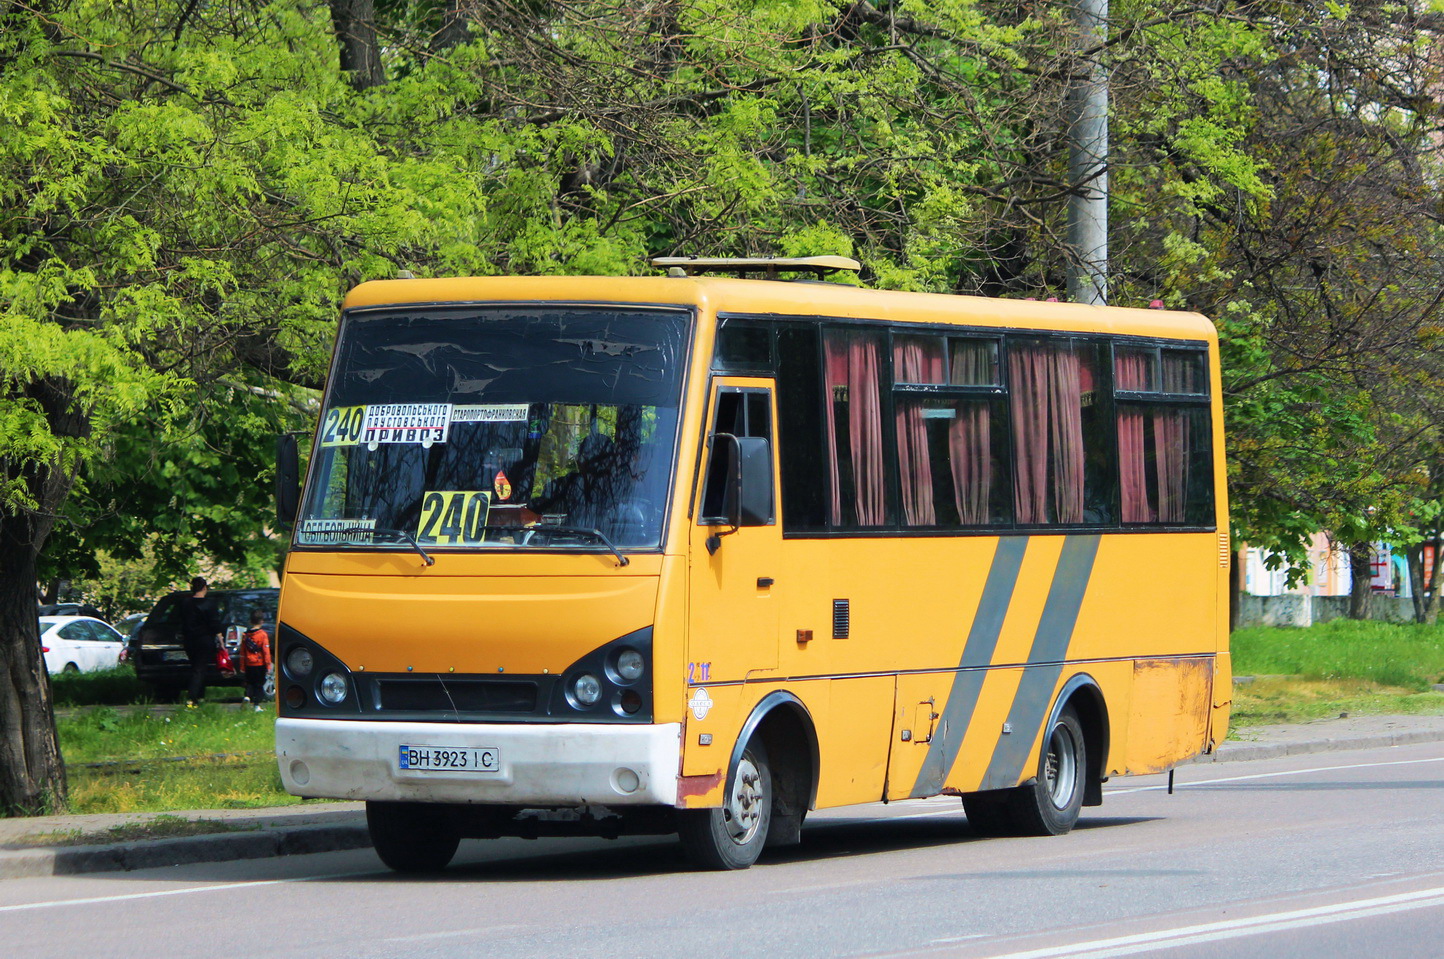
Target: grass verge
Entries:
(161, 827)
(1405, 657)
(144, 761)
(1339, 667)
(1290, 699)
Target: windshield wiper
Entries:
(410, 540)
(405, 536)
(585, 531)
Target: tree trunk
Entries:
(1361, 574)
(355, 23)
(1426, 594)
(453, 30)
(1414, 559)
(1431, 605)
(32, 776)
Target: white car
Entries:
(74, 644)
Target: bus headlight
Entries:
(587, 689)
(333, 689)
(300, 662)
(630, 665)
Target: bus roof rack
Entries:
(769, 266)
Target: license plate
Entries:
(174, 656)
(461, 759)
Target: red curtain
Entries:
(1046, 401)
(1131, 371)
(852, 379)
(1171, 437)
(916, 359)
(1168, 469)
(970, 437)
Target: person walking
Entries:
(200, 623)
(256, 658)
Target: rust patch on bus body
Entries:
(693, 790)
(1170, 712)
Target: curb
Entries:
(222, 847)
(1239, 752)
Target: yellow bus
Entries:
(698, 554)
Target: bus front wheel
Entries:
(411, 837)
(732, 835)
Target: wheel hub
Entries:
(743, 811)
(1060, 766)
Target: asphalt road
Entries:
(1322, 855)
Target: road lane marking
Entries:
(225, 887)
(1235, 928)
(479, 931)
(1286, 772)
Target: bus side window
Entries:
(800, 429)
(1063, 466)
(856, 461)
(1164, 435)
(741, 413)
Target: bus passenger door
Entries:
(734, 557)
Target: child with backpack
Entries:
(256, 658)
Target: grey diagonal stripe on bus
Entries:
(977, 654)
(1050, 648)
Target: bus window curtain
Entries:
(853, 388)
(1171, 438)
(1131, 371)
(970, 439)
(1046, 401)
(916, 359)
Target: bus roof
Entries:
(785, 298)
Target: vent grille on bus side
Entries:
(841, 619)
(461, 695)
(1223, 552)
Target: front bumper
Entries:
(554, 764)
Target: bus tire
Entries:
(989, 814)
(732, 835)
(1050, 805)
(411, 837)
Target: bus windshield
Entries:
(499, 427)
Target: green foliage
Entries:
(116, 686)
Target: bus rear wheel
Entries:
(411, 837)
(732, 835)
(1048, 806)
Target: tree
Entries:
(187, 191)
(1317, 251)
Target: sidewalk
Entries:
(79, 844)
(84, 841)
(1326, 735)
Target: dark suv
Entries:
(159, 656)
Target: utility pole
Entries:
(1088, 162)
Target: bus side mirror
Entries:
(747, 500)
(288, 480)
